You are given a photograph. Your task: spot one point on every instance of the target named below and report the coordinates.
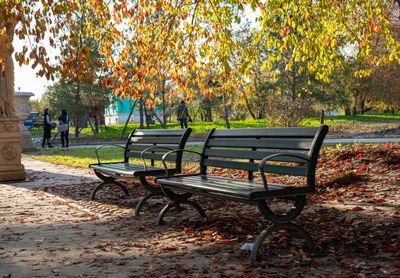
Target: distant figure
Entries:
(47, 126)
(63, 127)
(183, 115)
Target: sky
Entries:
(25, 77)
(26, 81)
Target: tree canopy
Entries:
(187, 41)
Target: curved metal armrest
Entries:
(108, 145)
(264, 162)
(151, 148)
(175, 151)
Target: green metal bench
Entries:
(144, 144)
(296, 151)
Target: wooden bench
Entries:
(283, 151)
(144, 144)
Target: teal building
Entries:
(118, 111)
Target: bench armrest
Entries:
(148, 149)
(107, 145)
(264, 162)
(175, 151)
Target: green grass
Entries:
(339, 123)
(377, 118)
(199, 128)
(82, 157)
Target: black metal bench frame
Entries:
(145, 144)
(296, 148)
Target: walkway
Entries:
(49, 227)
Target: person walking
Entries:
(63, 127)
(183, 115)
(47, 126)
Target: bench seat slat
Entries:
(283, 144)
(249, 166)
(154, 140)
(149, 155)
(257, 155)
(159, 132)
(141, 147)
(296, 132)
(126, 169)
(230, 188)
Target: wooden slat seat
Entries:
(147, 147)
(279, 151)
(241, 190)
(128, 170)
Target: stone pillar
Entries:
(22, 109)
(10, 150)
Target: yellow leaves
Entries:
(110, 61)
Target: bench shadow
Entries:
(344, 241)
(79, 188)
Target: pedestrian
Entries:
(63, 127)
(47, 126)
(183, 115)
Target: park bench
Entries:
(146, 145)
(282, 151)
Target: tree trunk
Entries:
(249, 107)
(164, 106)
(7, 72)
(226, 116)
(147, 117)
(162, 122)
(96, 123)
(76, 124)
(141, 121)
(92, 128)
(322, 117)
(77, 101)
(127, 120)
(355, 102)
(207, 110)
(294, 111)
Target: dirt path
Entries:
(49, 228)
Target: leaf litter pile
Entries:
(354, 219)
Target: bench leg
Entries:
(177, 204)
(276, 227)
(160, 217)
(149, 187)
(144, 200)
(106, 182)
(299, 202)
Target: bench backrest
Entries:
(141, 139)
(243, 149)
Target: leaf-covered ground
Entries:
(354, 219)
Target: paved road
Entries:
(327, 141)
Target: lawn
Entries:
(337, 124)
(82, 157)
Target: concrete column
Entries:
(10, 150)
(23, 109)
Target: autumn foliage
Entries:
(191, 44)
